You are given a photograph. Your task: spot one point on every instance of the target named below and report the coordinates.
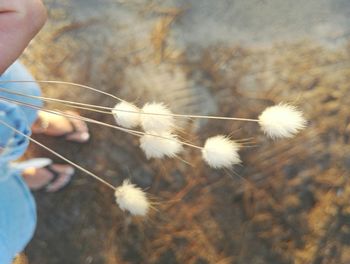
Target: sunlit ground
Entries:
(289, 203)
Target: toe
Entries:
(59, 183)
(82, 132)
(80, 137)
(63, 169)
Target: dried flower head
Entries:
(131, 198)
(126, 114)
(220, 152)
(159, 145)
(282, 121)
(161, 121)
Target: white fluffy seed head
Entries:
(131, 198)
(158, 145)
(161, 121)
(220, 152)
(126, 114)
(281, 121)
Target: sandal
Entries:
(78, 134)
(60, 177)
(78, 128)
(49, 187)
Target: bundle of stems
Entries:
(157, 134)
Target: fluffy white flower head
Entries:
(282, 121)
(161, 121)
(126, 114)
(159, 145)
(131, 198)
(220, 152)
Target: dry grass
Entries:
(292, 205)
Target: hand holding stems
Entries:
(20, 21)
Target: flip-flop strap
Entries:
(54, 173)
(36, 163)
(74, 129)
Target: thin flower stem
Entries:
(65, 102)
(112, 109)
(129, 131)
(60, 156)
(67, 83)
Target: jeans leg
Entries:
(17, 217)
(17, 206)
(17, 72)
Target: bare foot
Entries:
(56, 125)
(37, 179)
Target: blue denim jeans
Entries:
(17, 206)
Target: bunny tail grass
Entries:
(162, 122)
(221, 152)
(282, 121)
(126, 114)
(158, 147)
(132, 199)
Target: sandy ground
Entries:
(287, 204)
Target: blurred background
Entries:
(288, 203)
